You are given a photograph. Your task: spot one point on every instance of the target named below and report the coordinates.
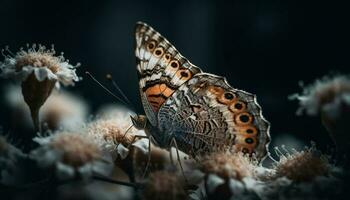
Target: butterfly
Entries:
(198, 111)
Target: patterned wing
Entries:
(206, 113)
(161, 69)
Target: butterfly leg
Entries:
(173, 141)
(127, 130)
(149, 151)
(149, 156)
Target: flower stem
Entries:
(35, 117)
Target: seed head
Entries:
(302, 166)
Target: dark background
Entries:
(264, 47)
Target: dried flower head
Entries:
(117, 131)
(71, 154)
(300, 166)
(39, 61)
(163, 185)
(228, 165)
(39, 70)
(329, 90)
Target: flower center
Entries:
(37, 59)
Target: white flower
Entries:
(325, 95)
(42, 62)
(115, 130)
(72, 155)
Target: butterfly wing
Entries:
(206, 114)
(161, 69)
(202, 111)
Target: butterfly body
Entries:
(201, 111)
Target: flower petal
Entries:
(213, 182)
(122, 151)
(142, 145)
(64, 172)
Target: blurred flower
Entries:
(330, 97)
(10, 157)
(164, 185)
(94, 191)
(316, 97)
(300, 166)
(72, 155)
(64, 110)
(39, 70)
(228, 165)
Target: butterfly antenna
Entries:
(115, 85)
(106, 89)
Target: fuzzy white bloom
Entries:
(325, 95)
(72, 155)
(41, 62)
(113, 126)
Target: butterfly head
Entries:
(139, 121)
